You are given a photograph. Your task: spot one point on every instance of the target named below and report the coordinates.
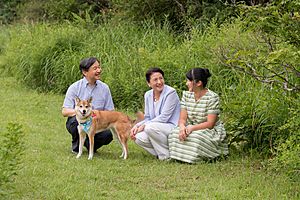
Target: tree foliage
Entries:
(8, 10)
(181, 14)
(277, 27)
(280, 19)
(51, 10)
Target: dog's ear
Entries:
(90, 100)
(77, 100)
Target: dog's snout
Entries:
(84, 111)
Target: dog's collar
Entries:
(87, 125)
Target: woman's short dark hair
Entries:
(86, 63)
(198, 74)
(152, 70)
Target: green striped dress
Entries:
(206, 143)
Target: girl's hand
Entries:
(182, 133)
(188, 130)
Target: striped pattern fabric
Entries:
(206, 143)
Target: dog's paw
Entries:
(123, 155)
(90, 157)
(78, 156)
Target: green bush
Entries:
(273, 62)
(182, 15)
(260, 81)
(9, 10)
(288, 148)
(11, 149)
(52, 10)
(280, 18)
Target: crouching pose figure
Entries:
(162, 108)
(200, 133)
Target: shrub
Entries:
(10, 156)
(52, 10)
(182, 15)
(288, 148)
(9, 10)
(278, 19)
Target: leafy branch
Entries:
(266, 70)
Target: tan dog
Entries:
(91, 122)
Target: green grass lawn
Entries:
(50, 171)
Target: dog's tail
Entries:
(132, 121)
(139, 117)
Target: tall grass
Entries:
(49, 56)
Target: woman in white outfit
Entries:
(162, 108)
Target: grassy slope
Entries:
(50, 171)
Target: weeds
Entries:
(11, 149)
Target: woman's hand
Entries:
(136, 130)
(184, 132)
(189, 129)
(133, 132)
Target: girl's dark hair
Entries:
(86, 63)
(198, 74)
(152, 70)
